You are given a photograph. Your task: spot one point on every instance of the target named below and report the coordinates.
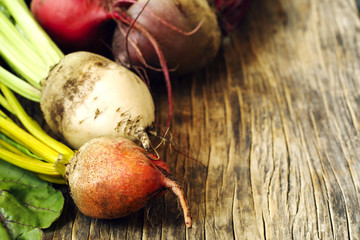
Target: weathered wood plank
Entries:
(275, 125)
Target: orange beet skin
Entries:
(113, 177)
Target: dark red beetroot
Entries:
(113, 177)
(167, 21)
(186, 31)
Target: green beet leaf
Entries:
(27, 203)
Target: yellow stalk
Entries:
(11, 148)
(28, 163)
(2, 114)
(32, 126)
(33, 144)
(5, 104)
(52, 179)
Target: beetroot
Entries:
(87, 96)
(183, 52)
(187, 32)
(180, 35)
(75, 24)
(113, 177)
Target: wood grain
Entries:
(275, 124)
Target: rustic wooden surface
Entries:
(275, 123)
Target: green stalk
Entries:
(13, 38)
(19, 86)
(45, 47)
(26, 47)
(18, 64)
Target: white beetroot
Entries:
(87, 96)
(113, 177)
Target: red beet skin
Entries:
(113, 177)
(74, 24)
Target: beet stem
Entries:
(130, 27)
(176, 189)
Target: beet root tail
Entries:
(176, 189)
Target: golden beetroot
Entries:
(113, 177)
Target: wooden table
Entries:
(275, 124)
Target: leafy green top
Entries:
(27, 203)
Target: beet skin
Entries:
(113, 177)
